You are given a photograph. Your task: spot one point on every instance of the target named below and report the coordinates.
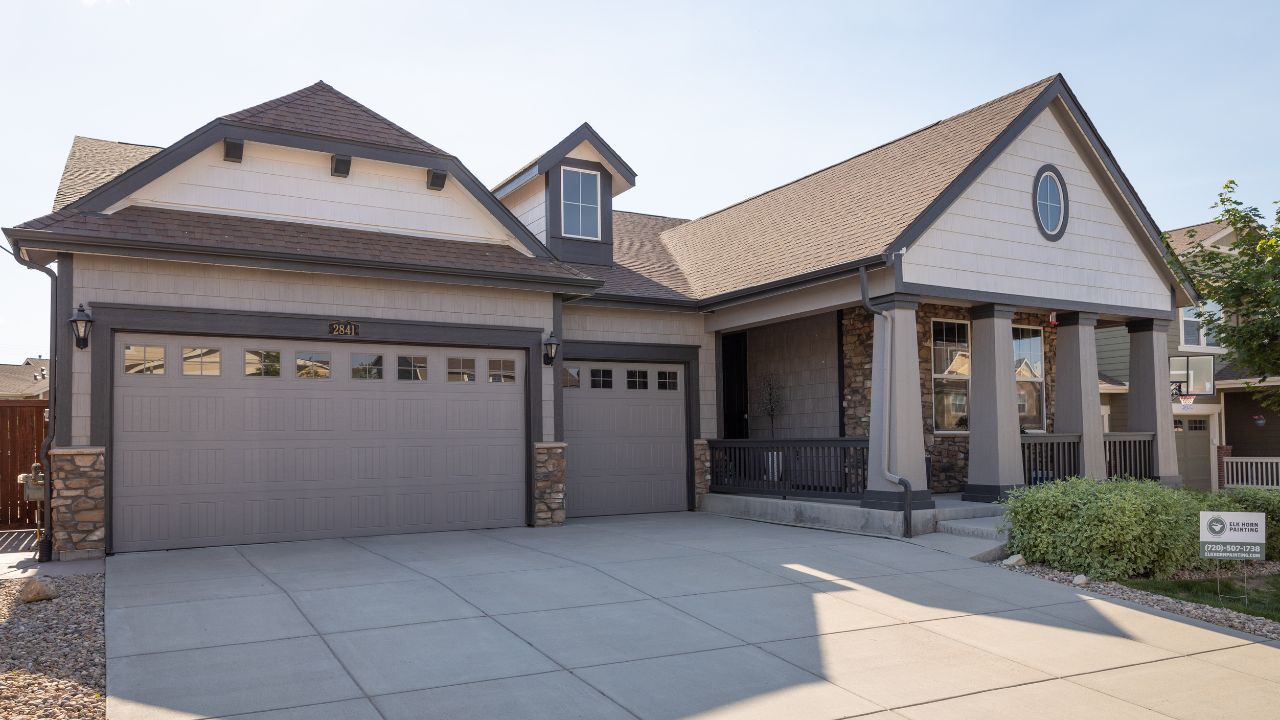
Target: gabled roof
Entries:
(93, 162)
(547, 160)
(322, 110)
(24, 380)
(1183, 239)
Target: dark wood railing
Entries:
(1049, 456)
(821, 468)
(1129, 454)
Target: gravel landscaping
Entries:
(52, 653)
(1207, 613)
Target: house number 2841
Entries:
(344, 327)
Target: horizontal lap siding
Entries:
(188, 285)
(529, 204)
(988, 239)
(653, 327)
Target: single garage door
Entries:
(625, 426)
(1191, 436)
(219, 441)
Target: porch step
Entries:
(986, 528)
(951, 507)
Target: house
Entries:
(308, 322)
(28, 380)
(1215, 415)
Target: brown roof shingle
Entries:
(850, 211)
(642, 267)
(322, 110)
(24, 380)
(1182, 240)
(92, 162)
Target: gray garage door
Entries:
(625, 426)
(226, 440)
(1191, 436)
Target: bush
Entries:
(1123, 527)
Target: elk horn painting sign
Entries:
(1233, 535)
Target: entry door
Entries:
(1194, 456)
(625, 427)
(219, 441)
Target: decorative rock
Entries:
(1014, 561)
(36, 590)
(1080, 580)
(548, 484)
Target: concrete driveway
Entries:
(650, 616)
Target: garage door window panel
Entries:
(502, 371)
(310, 365)
(144, 359)
(262, 363)
(637, 379)
(668, 380)
(601, 378)
(462, 370)
(572, 377)
(201, 361)
(366, 366)
(411, 367)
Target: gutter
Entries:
(904, 483)
(45, 549)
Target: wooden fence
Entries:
(22, 429)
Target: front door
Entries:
(1191, 435)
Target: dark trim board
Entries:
(583, 132)
(579, 250)
(110, 318)
(60, 373)
(686, 355)
(557, 368)
(978, 296)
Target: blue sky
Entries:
(710, 102)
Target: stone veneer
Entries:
(701, 471)
(948, 453)
(548, 483)
(79, 502)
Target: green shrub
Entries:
(1123, 527)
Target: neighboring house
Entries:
(27, 381)
(1220, 417)
(308, 322)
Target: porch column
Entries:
(995, 443)
(1078, 407)
(895, 396)
(1150, 406)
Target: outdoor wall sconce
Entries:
(81, 321)
(549, 349)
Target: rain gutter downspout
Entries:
(888, 389)
(45, 549)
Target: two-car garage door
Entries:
(228, 440)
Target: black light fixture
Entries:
(436, 179)
(549, 349)
(81, 321)
(341, 166)
(232, 150)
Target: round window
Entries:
(1049, 197)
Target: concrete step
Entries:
(954, 510)
(986, 528)
(980, 549)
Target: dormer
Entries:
(565, 196)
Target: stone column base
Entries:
(79, 502)
(986, 493)
(548, 483)
(701, 471)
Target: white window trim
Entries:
(934, 376)
(1184, 346)
(1044, 393)
(599, 204)
(1062, 205)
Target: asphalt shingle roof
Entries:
(642, 267)
(91, 163)
(1181, 240)
(25, 380)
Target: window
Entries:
(950, 375)
(462, 370)
(1193, 332)
(571, 377)
(1028, 370)
(312, 365)
(1197, 424)
(144, 359)
(580, 203)
(262, 363)
(1050, 202)
(1191, 375)
(601, 379)
(637, 379)
(411, 367)
(201, 361)
(366, 366)
(668, 380)
(502, 371)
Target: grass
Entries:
(1263, 592)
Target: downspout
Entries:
(904, 483)
(45, 549)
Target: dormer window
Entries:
(580, 203)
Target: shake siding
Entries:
(188, 285)
(653, 327)
(800, 355)
(988, 239)
(529, 204)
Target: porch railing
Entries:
(1047, 457)
(1261, 472)
(1129, 454)
(820, 468)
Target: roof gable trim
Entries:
(549, 159)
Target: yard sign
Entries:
(1233, 535)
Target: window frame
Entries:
(413, 366)
(328, 366)
(637, 379)
(1044, 388)
(1202, 347)
(606, 376)
(462, 370)
(164, 359)
(1056, 233)
(183, 352)
(1213, 370)
(935, 376)
(575, 372)
(672, 381)
(381, 366)
(599, 203)
(501, 371)
(262, 364)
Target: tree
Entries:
(1245, 282)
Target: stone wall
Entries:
(79, 502)
(701, 471)
(548, 483)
